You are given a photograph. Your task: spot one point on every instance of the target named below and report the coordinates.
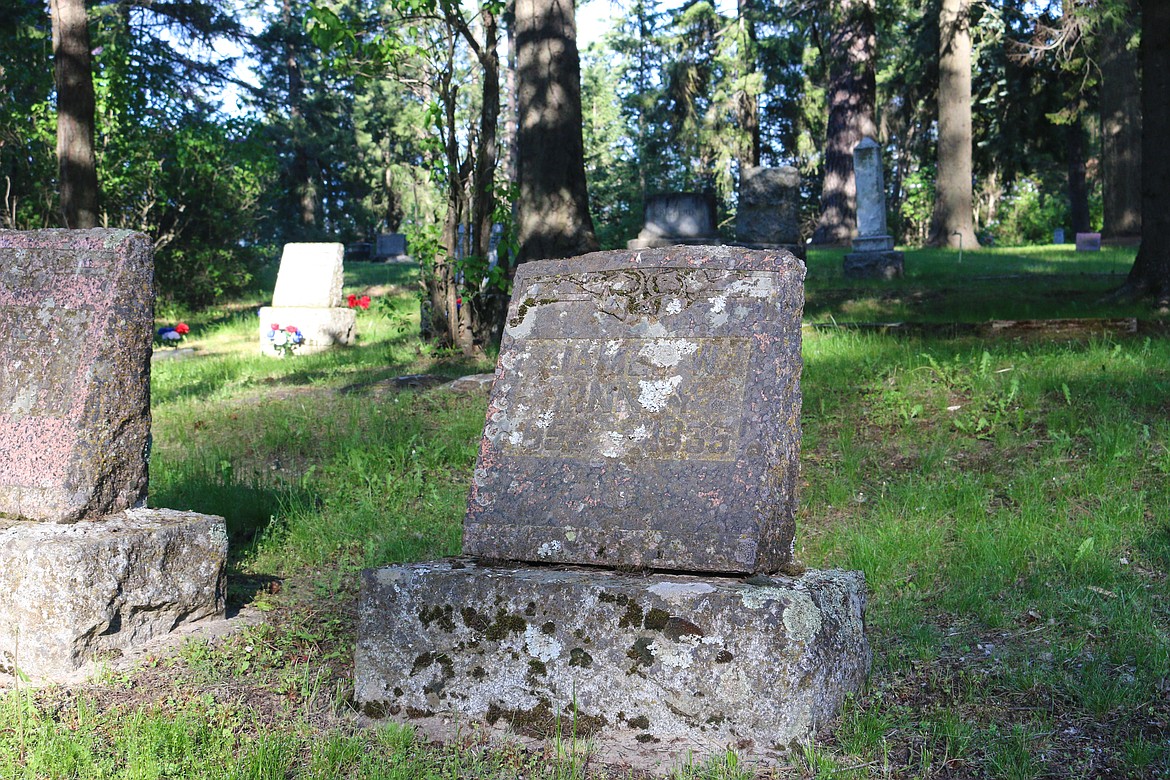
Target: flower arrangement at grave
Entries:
(171, 335)
(285, 340)
(355, 302)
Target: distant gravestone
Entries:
(677, 218)
(85, 568)
(1088, 242)
(310, 275)
(873, 254)
(75, 343)
(676, 369)
(1058, 236)
(769, 209)
(390, 245)
(308, 297)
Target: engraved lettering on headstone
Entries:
(654, 399)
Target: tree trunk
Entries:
(747, 102)
(1121, 131)
(1150, 274)
(852, 89)
(487, 306)
(952, 223)
(77, 164)
(553, 208)
(301, 169)
(1078, 190)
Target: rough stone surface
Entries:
(646, 412)
(70, 594)
(662, 663)
(76, 322)
(310, 276)
(677, 218)
(769, 206)
(323, 328)
(873, 265)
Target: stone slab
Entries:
(310, 275)
(323, 328)
(874, 265)
(1088, 242)
(660, 664)
(390, 245)
(76, 324)
(769, 206)
(677, 218)
(876, 243)
(646, 413)
(71, 594)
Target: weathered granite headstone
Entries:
(75, 342)
(308, 296)
(677, 218)
(645, 416)
(645, 413)
(1088, 242)
(1058, 235)
(84, 567)
(769, 209)
(873, 254)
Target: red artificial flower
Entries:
(291, 328)
(274, 326)
(182, 329)
(364, 301)
(351, 299)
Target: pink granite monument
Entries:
(85, 568)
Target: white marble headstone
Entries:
(310, 276)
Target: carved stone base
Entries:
(658, 666)
(70, 594)
(323, 328)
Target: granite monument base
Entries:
(71, 594)
(323, 328)
(873, 265)
(654, 665)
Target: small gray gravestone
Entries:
(390, 245)
(1088, 242)
(676, 370)
(1058, 236)
(768, 216)
(307, 297)
(645, 417)
(85, 568)
(873, 254)
(677, 218)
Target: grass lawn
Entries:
(1007, 498)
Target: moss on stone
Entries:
(656, 619)
(578, 657)
(541, 722)
(640, 722)
(504, 624)
(444, 615)
(549, 628)
(641, 653)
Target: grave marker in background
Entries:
(768, 216)
(308, 296)
(1088, 242)
(677, 218)
(873, 255)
